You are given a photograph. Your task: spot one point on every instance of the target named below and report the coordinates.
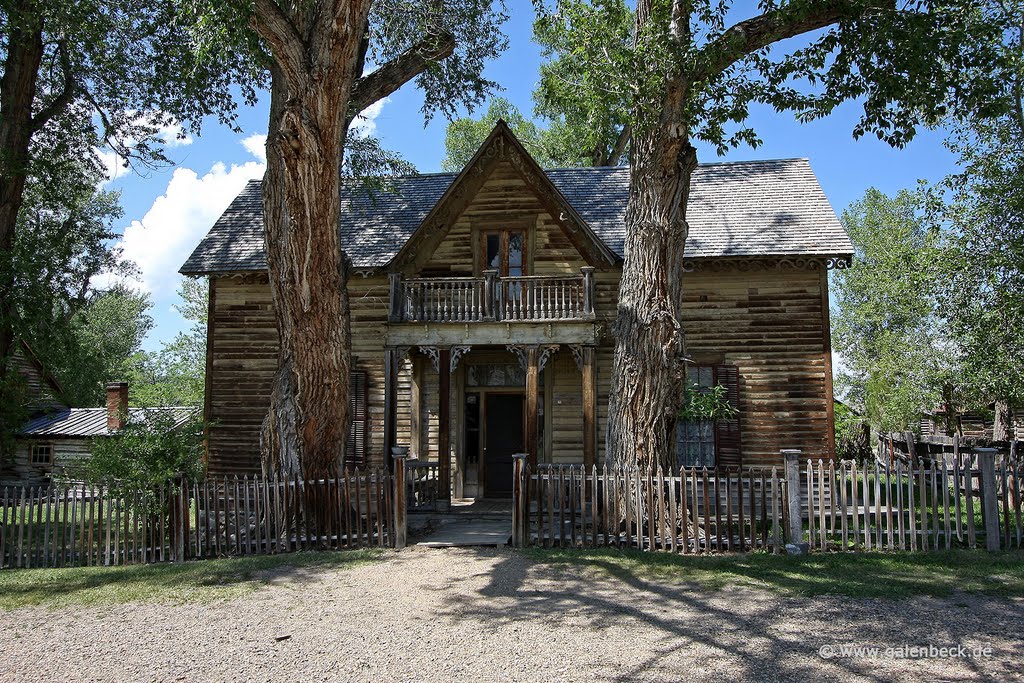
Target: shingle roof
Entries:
(744, 208)
(86, 422)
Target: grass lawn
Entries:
(859, 575)
(198, 581)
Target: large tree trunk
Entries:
(1001, 421)
(306, 428)
(647, 369)
(17, 92)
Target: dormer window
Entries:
(505, 252)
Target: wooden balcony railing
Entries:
(492, 299)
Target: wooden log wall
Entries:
(768, 321)
(244, 347)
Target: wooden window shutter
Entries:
(728, 452)
(356, 450)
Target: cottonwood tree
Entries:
(688, 72)
(317, 52)
(80, 74)
(981, 211)
(464, 136)
(898, 361)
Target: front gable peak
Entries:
(500, 147)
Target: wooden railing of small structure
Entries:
(974, 501)
(422, 484)
(83, 525)
(535, 298)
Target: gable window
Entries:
(357, 449)
(505, 252)
(711, 442)
(42, 454)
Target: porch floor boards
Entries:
(470, 532)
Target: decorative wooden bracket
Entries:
(545, 353)
(520, 352)
(577, 355)
(431, 352)
(457, 353)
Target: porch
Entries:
(462, 411)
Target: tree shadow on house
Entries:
(741, 618)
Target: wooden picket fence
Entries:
(686, 511)
(935, 505)
(83, 525)
(968, 502)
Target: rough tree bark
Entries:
(17, 92)
(304, 431)
(1001, 421)
(318, 51)
(647, 368)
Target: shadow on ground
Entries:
(759, 617)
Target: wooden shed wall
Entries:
(67, 452)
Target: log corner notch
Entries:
(316, 90)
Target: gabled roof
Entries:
(736, 209)
(44, 391)
(500, 146)
(87, 422)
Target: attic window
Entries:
(42, 454)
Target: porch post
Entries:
(532, 400)
(391, 362)
(589, 408)
(444, 457)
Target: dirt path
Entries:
(476, 614)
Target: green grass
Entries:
(199, 581)
(858, 575)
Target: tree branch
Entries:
(400, 70)
(276, 29)
(61, 101)
(788, 21)
(620, 145)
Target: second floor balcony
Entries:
(491, 298)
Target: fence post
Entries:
(520, 500)
(179, 518)
(398, 456)
(989, 499)
(795, 532)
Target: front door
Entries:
(503, 438)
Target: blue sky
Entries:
(167, 212)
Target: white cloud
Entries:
(257, 146)
(365, 124)
(178, 219)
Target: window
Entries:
(42, 454)
(708, 442)
(357, 447)
(505, 252)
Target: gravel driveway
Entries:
(486, 614)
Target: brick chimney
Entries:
(117, 405)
